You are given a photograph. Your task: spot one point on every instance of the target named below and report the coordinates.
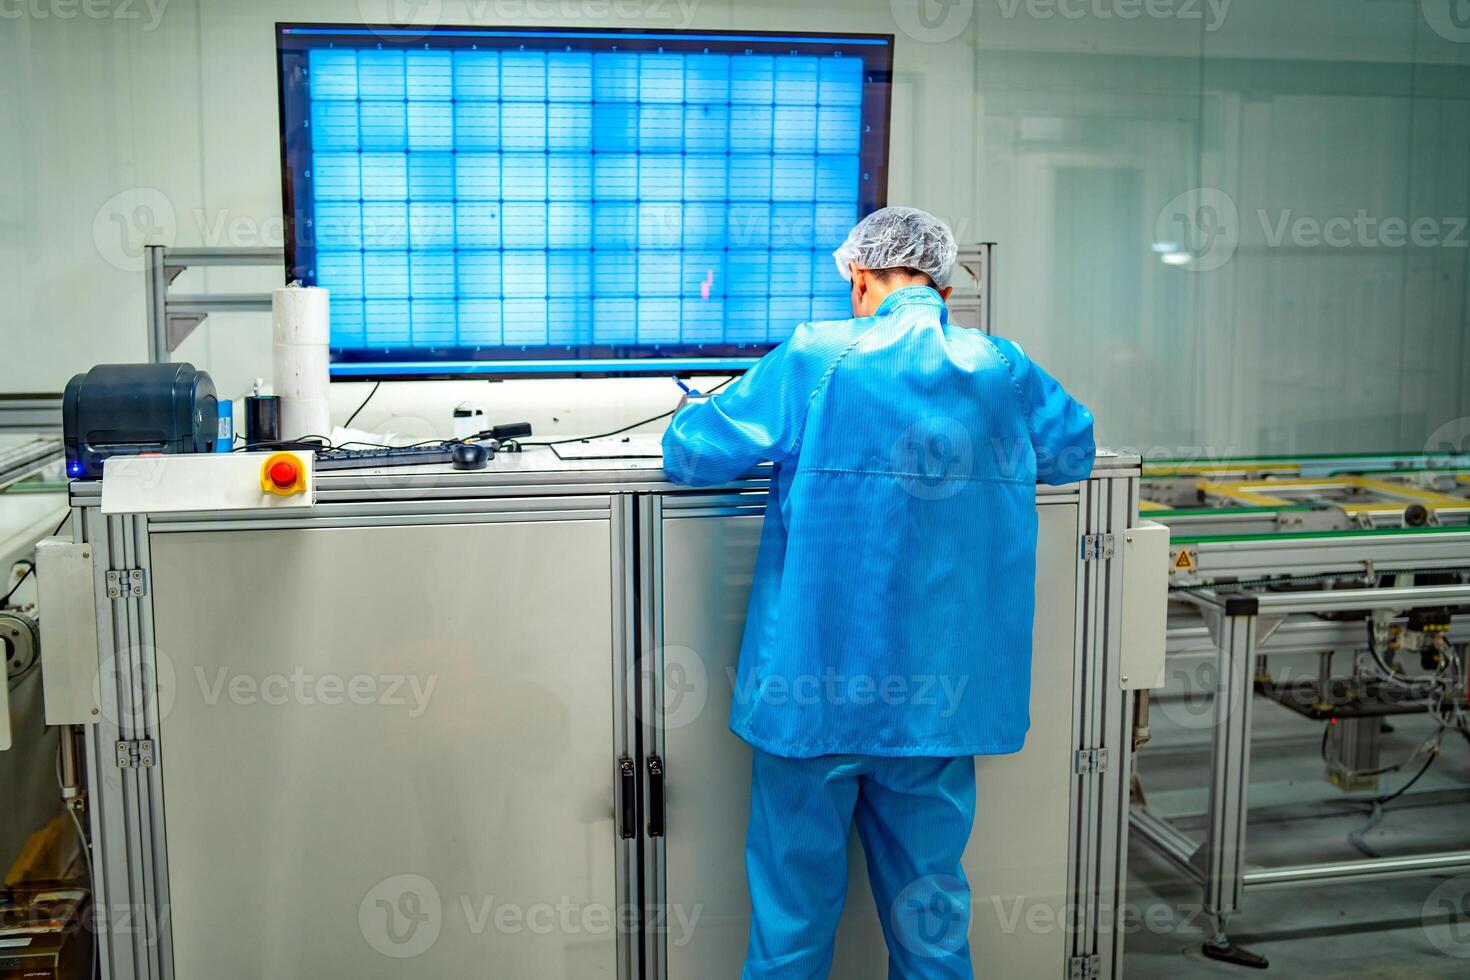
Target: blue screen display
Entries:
(479, 201)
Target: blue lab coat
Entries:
(893, 597)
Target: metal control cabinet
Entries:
(447, 721)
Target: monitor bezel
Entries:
(642, 361)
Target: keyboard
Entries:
(360, 459)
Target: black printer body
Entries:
(136, 409)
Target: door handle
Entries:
(656, 809)
(628, 798)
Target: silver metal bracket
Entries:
(972, 304)
(126, 583)
(1091, 761)
(1097, 547)
(179, 327)
(1084, 967)
(136, 754)
(172, 317)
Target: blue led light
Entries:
(409, 369)
(413, 33)
(465, 200)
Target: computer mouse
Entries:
(469, 456)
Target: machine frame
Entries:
(126, 748)
(1224, 562)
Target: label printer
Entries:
(135, 410)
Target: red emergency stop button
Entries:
(283, 474)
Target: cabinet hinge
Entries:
(1097, 547)
(1091, 761)
(135, 754)
(1083, 968)
(126, 583)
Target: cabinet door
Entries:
(1018, 854)
(387, 751)
(708, 563)
(1018, 859)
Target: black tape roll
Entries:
(262, 419)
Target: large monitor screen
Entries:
(553, 201)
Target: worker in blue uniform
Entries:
(888, 639)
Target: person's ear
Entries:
(859, 278)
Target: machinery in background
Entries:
(1407, 665)
(1287, 495)
(30, 509)
(44, 933)
(45, 887)
(1360, 561)
(25, 456)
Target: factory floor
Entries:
(1408, 927)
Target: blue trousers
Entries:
(913, 816)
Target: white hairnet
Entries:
(893, 237)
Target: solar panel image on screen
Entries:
(479, 201)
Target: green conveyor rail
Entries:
(1292, 458)
(1228, 511)
(1319, 535)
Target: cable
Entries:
(326, 442)
(1444, 681)
(66, 732)
(1433, 755)
(326, 445)
(1423, 686)
(1381, 803)
(618, 432)
(86, 847)
(31, 570)
(384, 445)
(1359, 773)
(376, 386)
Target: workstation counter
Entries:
(458, 691)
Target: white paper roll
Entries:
(305, 417)
(300, 314)
(299, 369)
(302, 330)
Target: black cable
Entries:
(1327, 730)
(348, 423)
(1385, 800)
(31, 566)
(1358, 838)
(618, 432)
(326, 443)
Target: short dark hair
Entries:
(906, 271)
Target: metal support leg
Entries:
(156, 292)
(1234, 629)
